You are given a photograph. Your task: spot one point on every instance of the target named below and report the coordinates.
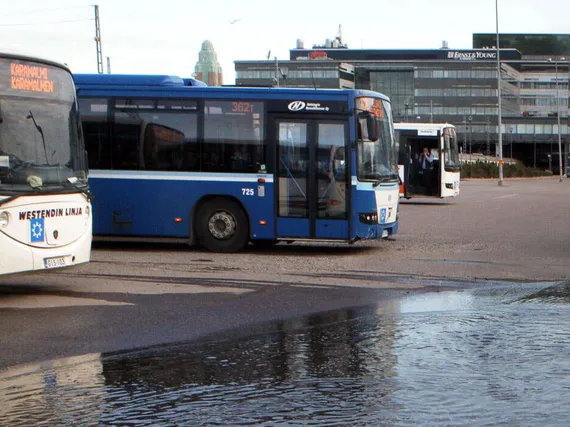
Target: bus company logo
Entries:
(296, 106)
(316, 106)
(37, 230)
(49, 213)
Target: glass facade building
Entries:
(458, 86)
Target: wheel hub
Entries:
(222, 225)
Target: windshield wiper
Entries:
(40, 130)
(390, 178)
(85, 191)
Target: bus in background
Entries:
(225, 166)
(441, 178)
(45, 208)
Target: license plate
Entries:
(54, 262)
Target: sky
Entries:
(165, 37)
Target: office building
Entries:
(450, 85)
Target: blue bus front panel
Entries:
(375, 210)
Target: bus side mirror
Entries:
(369, 128)
(373, 128)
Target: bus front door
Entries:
(313, 179)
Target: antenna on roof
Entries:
(337, 42)
(269, 54)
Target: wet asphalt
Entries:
(140, 295)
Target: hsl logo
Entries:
(37, 230)
(296, 106)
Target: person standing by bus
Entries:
(426, 167)
(426, 159)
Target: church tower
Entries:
(208, 68)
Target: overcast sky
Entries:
(165, 37)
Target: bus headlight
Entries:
(4, 219)
(369, 218)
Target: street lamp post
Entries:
(284, 71)
(511, 144)
(499, 119)
(276, 72)
(470, 119)
(558, 114)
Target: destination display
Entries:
(20, 77)
(31, 78)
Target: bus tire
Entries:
(222, 226)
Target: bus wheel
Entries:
(222, 226)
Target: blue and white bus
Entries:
(225, 166)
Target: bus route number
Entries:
(242, 107)
(247, 192)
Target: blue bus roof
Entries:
(134, 80)
(100, 84)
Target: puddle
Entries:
(492, 355)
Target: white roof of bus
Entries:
(411, 125)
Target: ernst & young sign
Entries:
(471, 55)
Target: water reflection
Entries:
(485, 356)
(62, 392)
(311, 370)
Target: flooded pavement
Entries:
(496, 355)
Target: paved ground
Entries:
(137, 295)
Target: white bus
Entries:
(441, 178)
(45, 204)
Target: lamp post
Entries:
(470, 119)
(284, 71)
(499, 118)
(558, 113)
(276, 72)
(511, 144)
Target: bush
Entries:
(491, 170)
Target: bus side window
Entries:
(162, 147)
(233, 137)
(96, 131)
(126, 141)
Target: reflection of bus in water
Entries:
(227, 166)
(442, 175)
(45, 209)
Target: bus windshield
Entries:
(450, 150)
(40, 144)
(376, 156)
